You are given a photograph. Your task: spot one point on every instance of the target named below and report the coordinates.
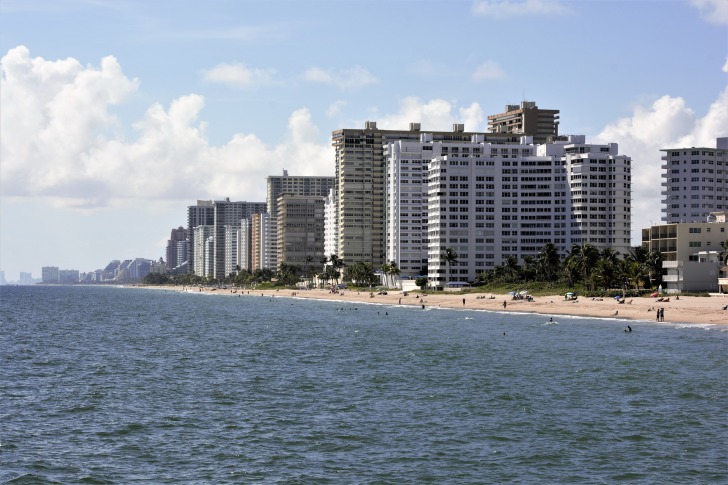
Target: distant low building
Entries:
(68, 276)
(50, 275)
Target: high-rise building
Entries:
(26, 279)
(695, 182)
(330, 227)
(526, 119)
(359, 186)
(50, 274)
(183, 250)
(2, 278)
(300, 230)
(292, 185)
(200, 237)
(244, 241)
(229, 213)
(260, 234)
(231, 248)
(512, 199)
(202, 214)
(177, 235)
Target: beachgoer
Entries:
(629, 329)
(463, 301)
(505, 303)
(423, 306)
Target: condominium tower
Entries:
(695, 182)
(359, 187)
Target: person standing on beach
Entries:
(463, 301)
(505, 303)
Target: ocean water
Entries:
(118, 385)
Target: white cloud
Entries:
(725, 66)
(335, 108)
(433, 115)
(237, 75)
(488, 70)
(59, 141)
(514, 8)
(667, 123)
(714, 11)
(347, 79)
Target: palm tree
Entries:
(336, 264)
(549, 261)
(386, 268)
(450, 257)
(609, 266)
(393, 270)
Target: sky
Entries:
(115, 115)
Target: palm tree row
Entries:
(583, 265)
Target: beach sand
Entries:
(686, 309)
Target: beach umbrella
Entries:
(524, 292)
(571, 293)
(618, 297)
(653, 295)
(512, 293)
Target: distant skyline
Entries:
(116, 115)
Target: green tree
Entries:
(449, 256)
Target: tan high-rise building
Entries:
(526, 119)
(300, 230)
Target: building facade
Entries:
(176, 236)
(260, 245)
(695, 182)
(526, 119)
(202, 236)
(692, 252)
(229, 213)
(360, 184)
(291, 185)
(202, 214)
(300, 230)
(50, 274)
(512, 199)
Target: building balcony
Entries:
(671, 264)
(671, 278)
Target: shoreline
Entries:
(686, 309)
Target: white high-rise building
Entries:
(488, 200)
(244, 245)
(695, 182)
(231, 248)
(261, 233)
(330, 226)
(514, 199)
(200, 236)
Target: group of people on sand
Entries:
(660, 314)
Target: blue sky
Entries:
(116, 115)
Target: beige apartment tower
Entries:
(300, 231)
(526, 119)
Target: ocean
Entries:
(128, 385)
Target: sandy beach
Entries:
(686, 309)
